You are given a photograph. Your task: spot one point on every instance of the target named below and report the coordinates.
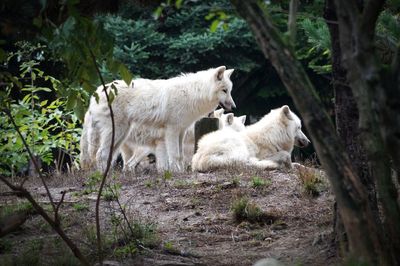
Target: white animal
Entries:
(171, 105)
(266, 144)
(132, 153)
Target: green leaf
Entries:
(214, 25)
(157, 13)
(71, 102)
(178, 3)
(79, 109)
(125, 74)
(111, 97)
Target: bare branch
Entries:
(109, 160)
(56, 226)
(56, 217)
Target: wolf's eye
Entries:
(225, 90)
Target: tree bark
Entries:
(204, 126)
(347, 117)
(371, 89)
(363, 232)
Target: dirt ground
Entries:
(193, 218)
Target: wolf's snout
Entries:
(228, 105)
(303, 143)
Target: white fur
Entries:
(132, 153)
(266, 144)
(171, 105)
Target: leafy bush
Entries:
(45, 124)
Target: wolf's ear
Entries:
(286, 111)
(229, 72)
(219, 73)
(217, 113)
(242, 119)
(229, 118)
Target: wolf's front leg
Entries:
(138, 155)
(172, 145)
(161, 156)
(181, 153)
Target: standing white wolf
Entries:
(266, 144)
(171, 105)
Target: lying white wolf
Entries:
(266, 144)
(133, 153)
(171, 105)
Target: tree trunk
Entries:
(369, 80)
(346, 116)
(358, 218)
(204, 126)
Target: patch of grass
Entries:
(258, 182)
(167, 175)
(181, 184)
(80, 207)
(131, 239)
(130, 249)
(311, 180)
(236, 181)
(145, 234)
(31, 254)
(22, 206)
(148, 183)
(91, 184)
(170, 248)
(5, 245)
(244, 210)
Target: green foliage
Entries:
(134, 238)
(244, 210)
(85, 48)
(13, 208)
(112, 191)
(80, 207)
(388, 36)
(318, 51)
(182, 40)
(167, 175)
(258, 182)
(92, 183)
(44, 124)
(311, 180)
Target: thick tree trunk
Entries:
(352, 197)
(346, 115)
(372, 88)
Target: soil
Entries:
(194, 219)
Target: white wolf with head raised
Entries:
(168, 104)
(266, 144)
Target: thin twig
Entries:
(109, 160)
(56, 217)
(123, 212)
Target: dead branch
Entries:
(54, 224)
